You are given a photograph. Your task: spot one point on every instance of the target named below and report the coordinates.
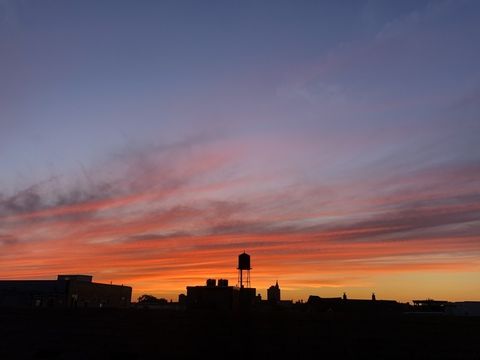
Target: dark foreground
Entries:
(156, 334)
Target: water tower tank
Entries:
(244, 261)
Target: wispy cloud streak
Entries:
(160, 236)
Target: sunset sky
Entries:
(148, 143)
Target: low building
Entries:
(219, 296)
(342, 304)
(463, 308)
(66, 291)
(429, 306)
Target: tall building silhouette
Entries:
(273, 293)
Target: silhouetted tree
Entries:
(152, 300)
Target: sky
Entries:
(148, 143)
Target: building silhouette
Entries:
(273, 294)
(342, 304)
(211, 296)
(220, 295)
(463, 308)
(68, 291)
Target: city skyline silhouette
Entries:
(78, 290)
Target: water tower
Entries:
(244, 265)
